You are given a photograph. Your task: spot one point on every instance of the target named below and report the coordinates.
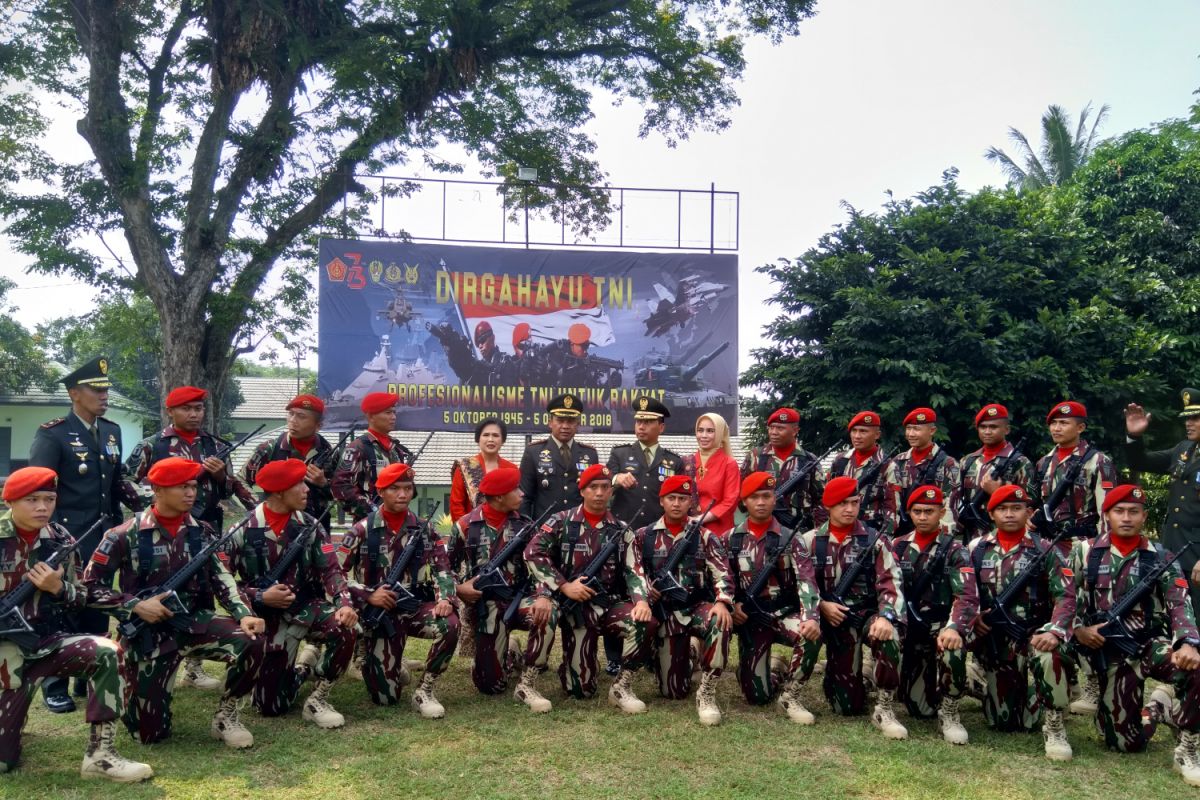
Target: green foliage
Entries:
(1062, 153)
(22, 363)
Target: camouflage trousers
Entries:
(673, 664)
(60, 655)
(1021, 682)
(926, 676)
(384, 660)
(279, 681)
(579, 671)
(754, 656)
(150, 681)
(492, 664)
(844, 686)
(1119, 716)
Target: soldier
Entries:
(1106, 568)
(556, 555)
(704, 574)
(976, 470)
(868, 613)
(639, 469)
(309, 602)
(302, 441)
(924, 462)
(27, 539)
(942, 602)
(550, 468)
(1047, 606)
(367, 554)
(84, 449)
(477, 538)
(865, 455)
(788, 603)
(143, 552)
(781, 457)
(354, 481)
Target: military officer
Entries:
(865, 458)
(550, 468)
(84, 449)
(354, 481)
(302, 440)
(924, 462)
(639, 469)
(977, 468)
(781, 457)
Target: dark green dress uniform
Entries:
(548, 479)
(631, 459)
(1182, 463)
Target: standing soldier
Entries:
(867, 613)
(142, 553)
(354, 481)
(978, 480)
(84, 449)
(302, 441)
(27, 539)
(942, 601)
(865, 457)
(550, 468)
(308, 602)
(367, 554)
(781, 457)
(1047, 606)
(924, 462)
(1106, 569)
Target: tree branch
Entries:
(156, 98)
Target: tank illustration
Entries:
(683, 385)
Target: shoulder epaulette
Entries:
(53, 422)
(588, 446)
(538, 442)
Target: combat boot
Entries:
(706, 700)
(1187, 758)
(778, 667)
(194, 675)
(1089, 696)
(789, 701)
(1162, 706)
(514, 659)
(354, 671)
(424, 701)
(306, 660)
(950, 723)
(884, 717)
(694, 659)
(527, 693)
(1055, 734)
(227, 725)
(100, 760)
(621, 694)
(318, 710)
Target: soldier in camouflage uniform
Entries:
(27, 539)
(476, 539)
(866, 455)
(942, 602)
(354, 481)
(302, 441)
(1106, 568)
(786, 607)
(308, 603)
(780, 457)
(1047, 606)
(367, 554)
(142, 553)
(868, 613)
(704, 574)
(557, 554)
(978, 482)
(924, 462)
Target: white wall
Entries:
(25, 419)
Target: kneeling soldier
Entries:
(367, 554)
(288, 570)
(941, 599)
(144, 552)
(27, 540)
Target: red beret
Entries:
(1068, 408)
(28, 480)
(1125, 493)
(173, 471)
(375, 402)
(921, 416)
(500, 481)
(279, 476)
(756, 482)
(394, 473)
(1008, 493)
(990, 412)
(839, 489)
(784, 415)
(308, 402)
(927, 495)
(868, 418)
(184, 394)
(594, 473)
(676, 484)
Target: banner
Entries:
(464, 333)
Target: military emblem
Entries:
(687, 487)
(568, 401)
(1064, 409)
(606, 472)
(920, 418)
(1187, 398)
(992, 412)
(930, 493)
(376, 270)
(770, 483)
(336, 269)
(104, 366)
(1019, 494)
(643, 403)
(1137, 493)
(870, 420)
(412, 274)
(393, 274)
(784, 417)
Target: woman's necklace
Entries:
(701, 465)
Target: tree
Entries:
(224, 133)
(1062, 153)
(22, 363)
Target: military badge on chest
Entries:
(79, 451)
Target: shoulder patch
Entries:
(100, 558)
(538, 443)
(327, 547)
(53, 422)
(585, 446)
(1181, 583)
(1068, 572)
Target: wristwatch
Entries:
(889, 615)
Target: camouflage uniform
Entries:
(1011, 704)
(1102, 576)
(558, 551)
(366, 554)
(874, 509)
(202, 633)
(878, 592)
(974, 465)
(804, 504)
(951, 602)
(354, 481)
(938, 468)
(705, 575)
(57, 654)
(320, 590)
(320, 498)
(1082, 504)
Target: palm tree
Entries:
(1061, 153)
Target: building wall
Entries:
(23, 421)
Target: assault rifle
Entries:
(287, 558)
(13, 625)
(855, 615)
(1043, 520)
(928, 469)
(490, 578)
(589, 576)
(932, 572)
(407, 603)
(785, 488)
(998, 616)
(422, 450)
(671, 594)
(752, 606)
(333, 453)
(223, 453)
(871, 474)
(971, 513)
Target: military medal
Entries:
(83, 468)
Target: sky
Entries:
(874, 95)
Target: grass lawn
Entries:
(492, 747)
